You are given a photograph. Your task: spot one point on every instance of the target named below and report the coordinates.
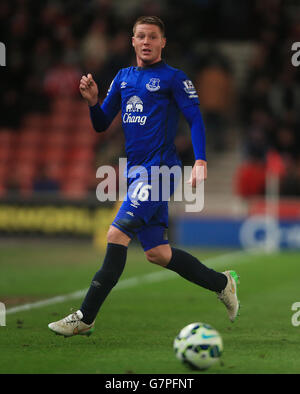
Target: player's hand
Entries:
(199, 173)
(89, 89)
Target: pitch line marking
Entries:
(212, 262)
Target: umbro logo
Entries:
(123, 85)
(95, 283)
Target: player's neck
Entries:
(142, 64)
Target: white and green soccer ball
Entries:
(198, 345)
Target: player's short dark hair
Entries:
(150, 20)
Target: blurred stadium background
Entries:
(238, 53)
(239, 57)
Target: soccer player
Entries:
(151, 96)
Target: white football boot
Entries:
(229, 295)
(72, 325)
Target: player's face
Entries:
(148, 43)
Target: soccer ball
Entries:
(198, 345)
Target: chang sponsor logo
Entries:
(134, 105)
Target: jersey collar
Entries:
(151, 65)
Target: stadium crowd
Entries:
(270, 107)
(51, 44)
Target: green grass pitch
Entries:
(137, 324)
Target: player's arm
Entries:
(187, 100)
(101, 116)
(194, 118)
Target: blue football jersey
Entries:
(150, 99)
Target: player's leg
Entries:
(158, 251)
(160, 255)
(129, 220)
(108, 275)
(82, 321)
(179, 261)
(223, 283)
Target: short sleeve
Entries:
(184, 92)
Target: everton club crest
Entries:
(153, 85)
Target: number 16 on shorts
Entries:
(141, 192)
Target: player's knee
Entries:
(155, 257)
(150, 256)
(116, 236)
